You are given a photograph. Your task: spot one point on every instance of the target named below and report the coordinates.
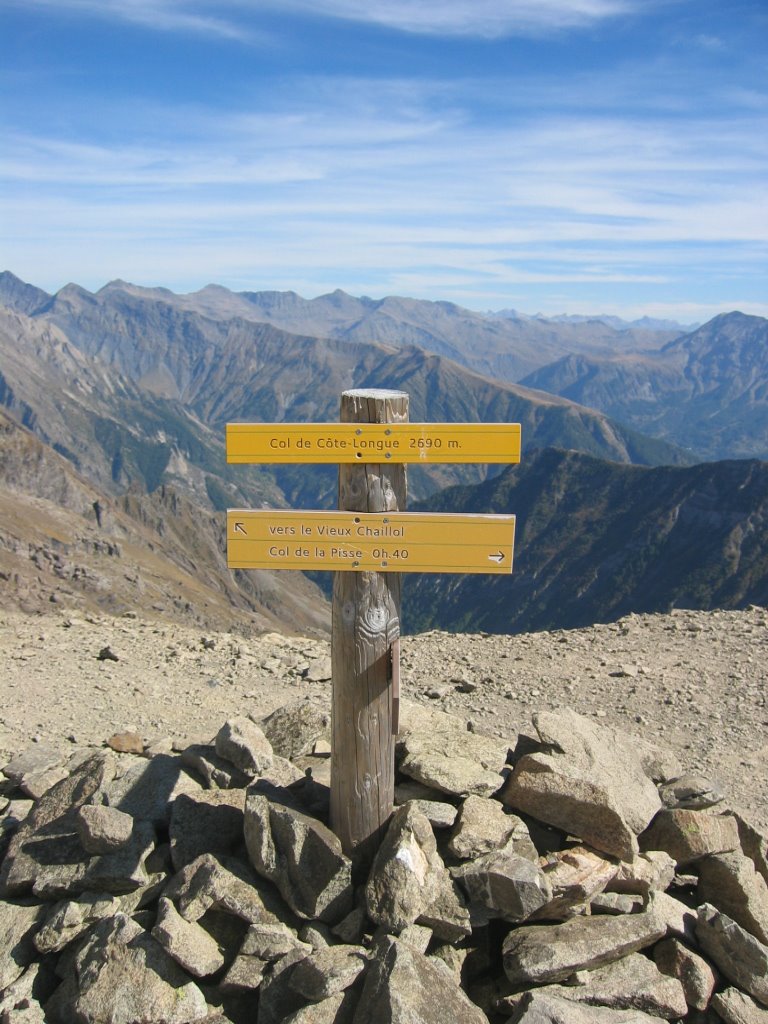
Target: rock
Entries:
(484, 825)
(678, 917)
(277, 998)
(735, 1007)
(538, 1007)
(691, 792)
(632, 983)
(352, 927)
(20, 1002)
(216, 772)
(504, 884)
(337, 1009)
(547, 953)
(328, 971)
(739, 956)
(107, 654)
(148, 789)
(270, 941)
(242, 742)
(687, 836)
(753, 843)
(190, 945)
(319, 670)
(438, 751)
(576, 876)
(729, 882)
(18, 923)
(692, 971)
(208, 884)
(408, 876)
(591, 784)
(34, 786)
(418, 936)
(437, 812)
(102, 829)
(559, 794)
(209, 821)
(616, 903)
(126, 743)
(35, 760)
(649, 872)
(404, 987)
(123, 975)
(301, 856)
(71, 918)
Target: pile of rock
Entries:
(577, 877)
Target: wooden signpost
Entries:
(368, 543)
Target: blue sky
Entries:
(548, 155)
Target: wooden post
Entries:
(365, 625)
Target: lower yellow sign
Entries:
(370, 541)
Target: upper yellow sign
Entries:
(373, 442)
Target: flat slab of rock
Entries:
(301, 857)
(735, 1007)
(589, 781)
(18, 924)
(438, 751)
(123, 976)
(575, 875)
(692, 971)
(687, 835)
(729, 882)
(632, 983)
(147, 789)
(540, 1008)
(208, 821)
(328, 971)
(547, 953)
(187, 942)
(404, 987)
(740, 957)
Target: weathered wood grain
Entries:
(365, 624)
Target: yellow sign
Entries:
(373, 442)
(370, 541)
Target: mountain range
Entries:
(132, 387)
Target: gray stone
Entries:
(437, 812)
(484, 825)
(418, 936)
(124, 976)
(504, 884)
(18, 923)
(729, 882)
(547, 953)
(337, 1009)
(207, 884)
(320, 670)
(245, 974)
(735, 1007)
(39, 758)
(20, 1001)
(209, 821)
(616, 903)
(679, 918)
(35, 785)
(538, 1007)
(692, 971)
(408, 874)
(269, 941)
(632, 983)
(438, 751)
(328, 971)
(555, 791)
(216, 772)
(301, 856)
(148, 788)
(50, 826)
(277, 998)
(753, 843)
(70, 918)
(736, 953)
(691, 792)
(352, 927)
(243, 743)
(649, 872)
(294, 728)
(190, 945)
(404, 987)
(687, 836)
(576, 876)
(103, 829)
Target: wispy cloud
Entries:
(473, 18)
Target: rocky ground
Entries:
(692, 681)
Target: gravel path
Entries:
(693, 681)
